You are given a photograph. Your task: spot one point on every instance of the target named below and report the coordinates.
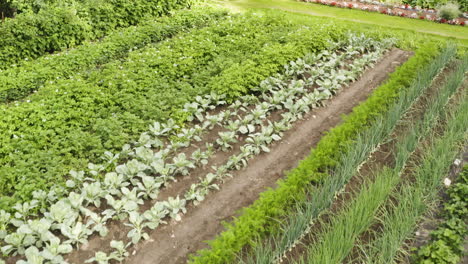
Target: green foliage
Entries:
(31, 35)
(463, 4)
(447, 241)
(61, 25)
(237, 79)
(255, 220)
(20, 6)
(449, 11)
(17, 82)
(70, 122)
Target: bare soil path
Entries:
(174, 242)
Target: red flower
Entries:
(406, 6)
(443, 20)
(333, 4)
(421, 17)
(350, 5)
(462, 23)
(383, 12)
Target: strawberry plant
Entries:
(446, 245)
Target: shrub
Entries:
(10, 7)
(449, 11)
(59, 25)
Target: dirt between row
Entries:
(172, 243)
(434, 217)
(383, 156)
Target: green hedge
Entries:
(71, 122)
(17, 82)
(62, 25)
(255, 221)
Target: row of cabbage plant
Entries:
(155, 159)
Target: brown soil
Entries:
(382, 157)
(171, 243)
(434, 218)
(174, 242)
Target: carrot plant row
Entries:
(360, 213)
(254, 221)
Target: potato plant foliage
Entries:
(47, 26)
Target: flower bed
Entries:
(394, 10)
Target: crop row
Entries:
(61, 25)
(275, 204)
(360, 214)
(69, 122)
(133, 180)
(18, 82)
(446, 244)
(298, 224)
(414, 200)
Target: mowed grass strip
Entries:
(352, 16)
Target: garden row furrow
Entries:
(299, 225)
(117, 184)
(359, 215)
(255, 220)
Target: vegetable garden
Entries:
(273, 136)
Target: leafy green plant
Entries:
(176, 206)
(138, 223)
(254, 220)
(110, 106)
(59, 25)
(449, 11)
(446, 245)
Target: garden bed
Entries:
(177, 241)
(401, 11)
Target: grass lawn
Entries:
(458, 33)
